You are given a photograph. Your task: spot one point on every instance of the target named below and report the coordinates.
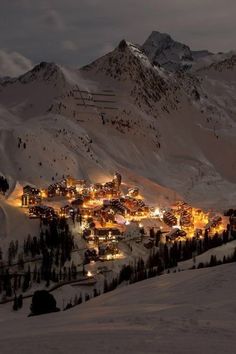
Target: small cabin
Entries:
(31, 190)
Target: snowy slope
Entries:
(166, 132)
(226, 250)
(186, 312)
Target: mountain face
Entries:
(167, 131)
(162, 50)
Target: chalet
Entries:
(97, 186)
(57, 190)
(31, 196)
(41, 212)
(107, 251)
(107, 234)
(70, 182)
(169, 218)
(186, 219)
(80, 185)
(31, 190)
(214, 222)
(30, 200)
(133, 192)
(25, 200)
(109, 185)
(77, 202)
(67, 211)
(175, 234)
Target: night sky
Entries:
(75, 32)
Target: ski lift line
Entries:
(98, 94)
(112, 108)
(89, 99)
(98, 107)
(86, 105)
(88, 112)
(105, 101)
(84, 98)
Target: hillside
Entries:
(165, 131)
(186, 312)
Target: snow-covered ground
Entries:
(174, 136)
(224, 250)
(182, 313)
(167, 134)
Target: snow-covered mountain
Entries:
(168, 132)
(163, 50)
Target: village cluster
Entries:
(101, 210)
(104, 212)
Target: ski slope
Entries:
(182, 313)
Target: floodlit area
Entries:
(107, 207)
(90, 236)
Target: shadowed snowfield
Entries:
(187, 312)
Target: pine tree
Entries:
(105, 286)
(20, 301)
(87, 297)
(15, 304)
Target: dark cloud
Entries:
(75, 32)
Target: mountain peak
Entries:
(159, 36)
(162, 49)
(122, 62)
(123, 45)
(43, 71)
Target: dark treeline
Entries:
(155, 267)
(136, 272)
(53, 247)
(4, 186)
(173, 252)
(216, 262)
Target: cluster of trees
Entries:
(230, 212)
(4, 186)
(76, 301)
(154, 266)
(232, 217)
(215, 262)
(12, 251)
(136, 272)
(182, 251)
(6, 282)
(53, 248)
(18, 302)
(168, 256)
(43, 302)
